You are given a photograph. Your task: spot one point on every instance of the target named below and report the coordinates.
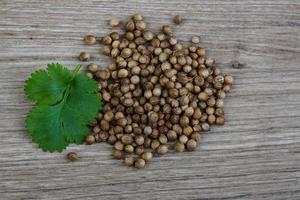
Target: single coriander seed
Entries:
(89, 40)
(72, 156)
(191, 145)
(90, 139)
(129, 160)
(162, 149)
(147, 156)
(92, 67)
(84, 56)
(114, 22)
(177, 19)
(179, 147)
(117, 154)
(195, 40)
(140, 163)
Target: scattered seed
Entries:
(90, 40)
(155, 91)
(177, 19)
(84, 56)
(195, 40)
(72, 156)
(114, 22)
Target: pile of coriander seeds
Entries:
(158, 95)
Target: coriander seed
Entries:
(167, 29)
(195, 40)
(90, 40)
(137, 17)
(114, 22)
(162, 149)
(90, 139)
(183, 139)
(139, 163)
(84, 56)
(147, 156)
(179, 147)
(177, 19)
(117, 154)
(72, 156)
(228, 79)
(129, 160)
(92, 67)
(191, 145)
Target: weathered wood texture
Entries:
(255, 155)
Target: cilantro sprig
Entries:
(66, 101)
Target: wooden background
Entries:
(255, 155)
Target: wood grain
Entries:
(255, 155)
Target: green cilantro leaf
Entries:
(66, 102)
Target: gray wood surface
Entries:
(255, 155)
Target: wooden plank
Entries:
(255, 155)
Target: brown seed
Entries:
(72, 156)
(147, 156)
(171, 135)
(183, 139)
(140, 25)
(155, 144)
(196, 137)
(90, 139)
(96, 129)
(125, 53)
(103, 74)
(107, 40)
(187, 130)
(105, 50)
(226, 87)
(122, 73)
(112, 139)
(162, 149)
(148, 35)
(220, 120)
(179, 147)
(108, 116)
(139, 163)
(191, 145)
(114, 22)
(90, 40)
(84, 56)
(201, 52)
(177, 19)
(173, 41)
(117, 154)
(209, 62)
(197, 113)
(129, 26)
(163, 139)
(195, 40)
(89, 75)
(119, 146)
(127, 139)
(129, 148)
(184, 121)
(129, 160)
(104, 125)
(189, 111)
(137, 17)
(139, 150)
(92, 67)
(139, 140)
(167, 29)
(115, 36)
(228, 79)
